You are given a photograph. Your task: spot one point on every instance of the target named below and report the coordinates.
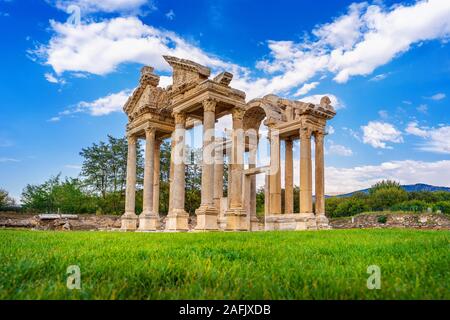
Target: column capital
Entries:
(180, 118)
(319, 135)
(238, 113)
(305, 133)
(150, 131)
(132, 139)
(209, 105)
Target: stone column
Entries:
(305, 172)
(322, 221)
(307, 218)
(156, 177)
(236, 213)
(207, 214)
(275, 173)
(148, 221)
(218, 173)
(253, 148)
(288, 178)
(177, 219)
(129, 218)
(172, 166)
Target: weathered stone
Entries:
(156, 113)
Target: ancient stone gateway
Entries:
(156, 113)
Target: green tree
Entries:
(5, 199)
(383, 184)
(193, 180)
(384, 198)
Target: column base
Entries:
(177, 220)
(207, 218)
(254, 224)
(236, 220)
(306, 221)
(129, 221)
(148, 222)
(322, 222)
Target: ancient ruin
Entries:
(156, 113)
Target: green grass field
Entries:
(263, 265)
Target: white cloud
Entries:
(379, 77)
(415, 130)
(437, 140)
(307, 87)
(170, 15)
(52, 79)
(407, 102)
(54, 119)
(383, 114)
(113, 102)
(423, 108)
(338, 150)
(438, 96)
(378, 133)
(343, 180)
(330, 130)
(91, 6)
(335, 102)
(361, 40)
(356, 43)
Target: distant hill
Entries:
(408, 188)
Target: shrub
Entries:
(382, 219)
(444, 206)
(411, 205)
(384, 198)
(350, 207)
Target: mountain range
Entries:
(408, 188)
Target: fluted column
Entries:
(156, 176)
(321, 219)
(148, 221)
(129, 218)
(275, 173)
(236, 214)
(218, 173)
(172, 167)
(207, 214)
(305, 172)
(148, 171)
(288, 178)
(237, 159)
(253, 148)
(177, 219)
(320, 179)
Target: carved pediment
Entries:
(186, 71)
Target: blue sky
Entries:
(386, 64)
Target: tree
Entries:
(384, 198)
(5, 199)
(55, 195)
(383, 184)
(193, 180)
(105, 166)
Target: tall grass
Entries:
(266, 265)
